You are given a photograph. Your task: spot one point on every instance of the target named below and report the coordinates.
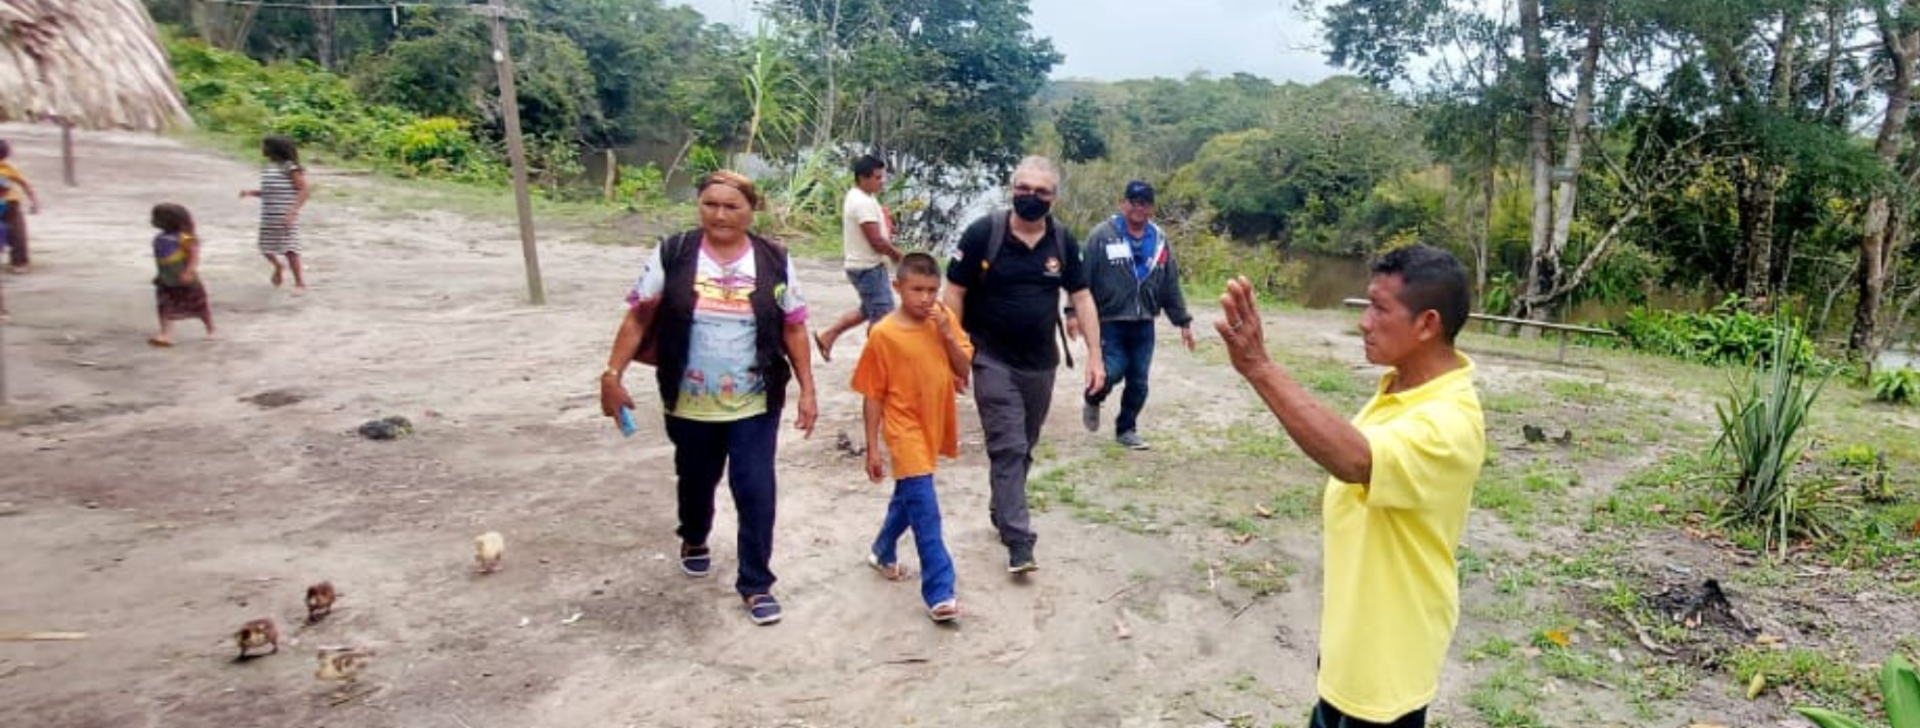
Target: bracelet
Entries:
(610, 372)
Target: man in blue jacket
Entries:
(1133, 277)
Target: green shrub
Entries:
(1899, 696)
(1728, 334)
(1760, 424)
(1898, 386)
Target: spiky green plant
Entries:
(1899, 693)
(1760, 423)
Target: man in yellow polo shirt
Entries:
(1402, 480)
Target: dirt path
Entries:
(158, 499)
(153, 506)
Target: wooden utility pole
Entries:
(497, 12)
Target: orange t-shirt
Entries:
(904, 365)
(14, 178)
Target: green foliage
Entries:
(1760, 425)
(230, 93)
(1079, 128)
(1325, 149)
(1897, 386)
(1728, 334)
(1832, 680)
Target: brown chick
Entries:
(320, 601)
(256, 633)
(342, 664)
(487, 549)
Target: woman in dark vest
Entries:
(730, 331)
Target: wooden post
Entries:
(497, 12)
(66, 152)
(613, 174)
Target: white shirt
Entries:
(860, 208)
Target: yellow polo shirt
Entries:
(14, 178)
(1392, 596)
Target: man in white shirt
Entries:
(866, 234)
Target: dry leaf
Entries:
(1262, 510)
(1120, 630)
(1558, 637)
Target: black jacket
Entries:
(1119, 294)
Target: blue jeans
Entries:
(745, 449)
(876, 292)
(914, 506)
(1127, 347)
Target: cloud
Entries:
(1111, 41)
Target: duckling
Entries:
(342, 664)
(487, 549)
(320, 601)
(256, 633)
(1533, 434)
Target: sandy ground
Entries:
(157, 499)
(150, 504)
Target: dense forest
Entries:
(1761, 153)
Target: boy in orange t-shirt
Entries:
(914, 361)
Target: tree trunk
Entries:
(1541, 271)
(323, 15)
(1759, 197)
(1545, 268)
(1876, 240)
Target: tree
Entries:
(1899, 29)
(1079, 127)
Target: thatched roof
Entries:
(98, 63)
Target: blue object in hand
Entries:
(625, 416)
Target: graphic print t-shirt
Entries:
(719, 384)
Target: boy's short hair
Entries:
(6, 149)
(919, 264)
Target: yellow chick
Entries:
(487, 549)
(342, 664)
(255, 634)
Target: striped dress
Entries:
(277, 195)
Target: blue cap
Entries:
(1139, 191)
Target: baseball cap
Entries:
(1139, 191)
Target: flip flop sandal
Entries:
(825, 354)
(159, 342)
(944, 612)
(890, 572)
(763, 609)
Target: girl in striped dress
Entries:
(283, 191)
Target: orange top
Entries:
(904, 365)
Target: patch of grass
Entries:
(1295, 503)
(1581, 393)
(1571, 664)
(1518, 496)
(1508, 403)
(1261, 577)
(1494, 647)
(1830, 680)
(1507, 698)
(1262, 440)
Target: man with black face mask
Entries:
(1005, 293)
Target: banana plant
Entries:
(1899, 691)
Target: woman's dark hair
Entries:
(6, 149)
(280, 149)
(1430, 279)
(730, 178)
(172, 218)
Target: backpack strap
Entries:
(997, 237)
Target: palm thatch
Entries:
(96, 63)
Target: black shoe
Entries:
(1020, 558)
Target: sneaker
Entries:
(1131, 441)
(696, 561)
(1020, 559)
(763, 609)
(1090, 416)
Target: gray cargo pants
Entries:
(1013, 405)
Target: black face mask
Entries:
(1030, 207)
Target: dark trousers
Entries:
(1127, 348)
(1013, 405)
(17, 233)
(1327, 716)
(915, 507)
(745, 449)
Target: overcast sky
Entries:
(1109, 41)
